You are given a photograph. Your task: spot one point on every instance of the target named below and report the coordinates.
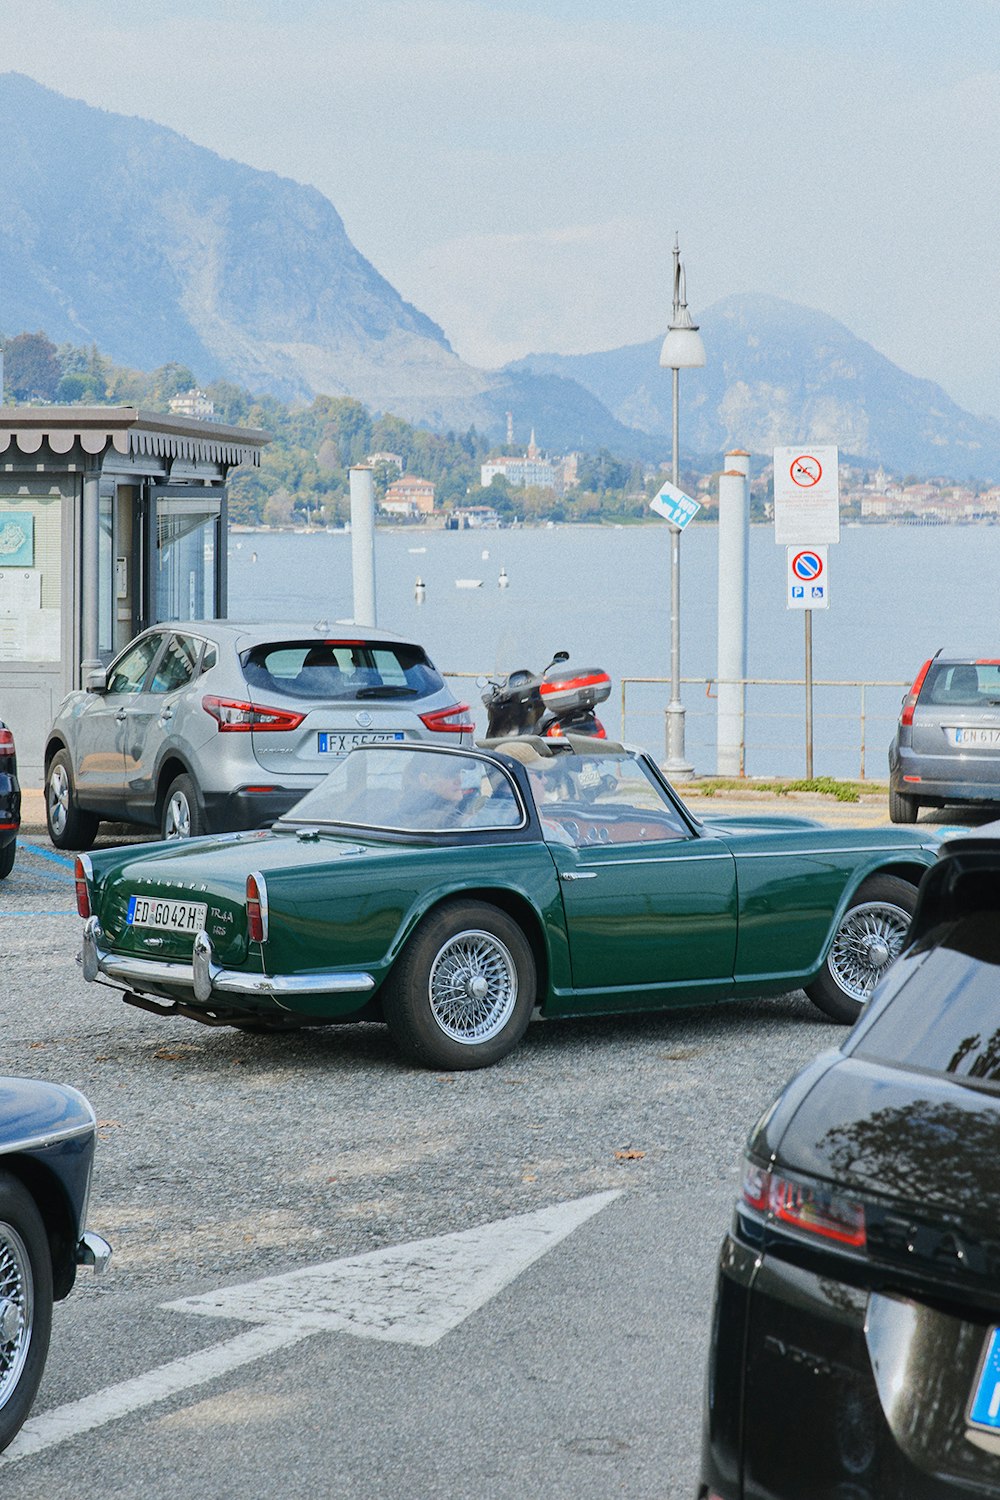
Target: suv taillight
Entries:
(6, 742)
(807, 1206)
(910, 701)
(440, 720)
(235, 717)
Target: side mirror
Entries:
(560, 656)
(96, 681)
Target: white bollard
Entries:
(734, 521)
(363, 544)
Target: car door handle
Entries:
(578, 875)
(121, 716)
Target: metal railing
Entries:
(849, 705)
(851, 711)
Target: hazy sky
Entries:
(517, 168)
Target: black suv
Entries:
(856, 1340)
(10, 801)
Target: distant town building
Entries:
(385, 458)
(192, 403)
(409, 496)
(473, 516)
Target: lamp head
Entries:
(682, 347)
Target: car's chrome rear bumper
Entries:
(204, 979)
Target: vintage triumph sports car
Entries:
(47, 1137)
(449, 892)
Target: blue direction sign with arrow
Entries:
(674, 506)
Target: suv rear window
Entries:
(964, 684)
(946, 1019)
(342, 670)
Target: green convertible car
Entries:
(450, 892)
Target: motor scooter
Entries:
(557, 701)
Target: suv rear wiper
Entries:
(388, 691)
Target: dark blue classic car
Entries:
(47, 1135)
(10, 801)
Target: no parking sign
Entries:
(808, 581)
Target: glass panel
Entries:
(946, 1018)
(597, 799)
(30, 577)
(414, 791)
(186, 553)
(341, 669)
(176, 665)
(962, 684)
(106, 574)
(129, 672)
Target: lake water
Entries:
(603, 594)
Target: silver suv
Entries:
(947, 743)
(215, 726)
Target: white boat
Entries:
(416, 549)
(468, 583)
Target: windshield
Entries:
(345, 670)
(946, 1019)
(412, 791)
(601, 799)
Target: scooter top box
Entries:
(566, 687)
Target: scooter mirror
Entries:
(482, 681)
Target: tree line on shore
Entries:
(303, 475)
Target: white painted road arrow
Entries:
(406, 1294)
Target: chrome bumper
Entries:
(93, 1250)
(204, 978)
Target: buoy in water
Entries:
(486, 553)
(419, 591)
(503, 580)
(253, 557)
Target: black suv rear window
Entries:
(343, 670)
(947, 1018)
(964, 684)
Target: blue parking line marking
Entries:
(58, 859)
(66, 913)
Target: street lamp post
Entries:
(682, 350)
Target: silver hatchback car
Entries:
(215, 726)
(947, 743)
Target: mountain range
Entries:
(120, 232)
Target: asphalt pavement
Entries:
(516, 1264)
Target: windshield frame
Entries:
(492, 832)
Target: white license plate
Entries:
(984, 1408)
(174, 916)
(339, 744)
(974, 736)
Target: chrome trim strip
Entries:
(847, 849)
(204, 979)
(661, 859)
(32, 1142)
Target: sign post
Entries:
(806, 520)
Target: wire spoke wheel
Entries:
(472, 987)
(866, 942)
(17, 1304)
